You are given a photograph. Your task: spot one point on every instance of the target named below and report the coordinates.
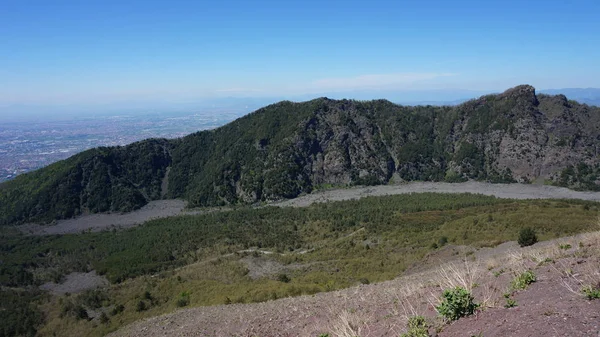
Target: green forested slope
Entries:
(97, 180)
(287, 148)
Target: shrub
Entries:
(104, 318)
(456, 303)
(417, 327)
(527, 237)
(283, 278)
(141, 306)
(94, 298)
(523, 280)
(117, 309)
(80, 312)
(183, 300)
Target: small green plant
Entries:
(324, 335)
(417, 327)
(592, 293)
(510, 303)
(456, 303)
(523, 280)
(565, 246)
(527, 237)
(499, 272)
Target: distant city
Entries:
(29, 145)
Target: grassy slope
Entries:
(348, 242)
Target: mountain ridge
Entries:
(287, 149)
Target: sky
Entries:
(100, 52)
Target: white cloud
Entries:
(378, 81)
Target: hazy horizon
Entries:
(111, 53)
(246, 104)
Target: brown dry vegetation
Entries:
(552, 306)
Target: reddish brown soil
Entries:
(546, 308)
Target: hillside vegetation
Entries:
(286, 149)
(255, 255)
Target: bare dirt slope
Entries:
(551, 306)
(166, 208)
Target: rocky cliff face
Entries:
(287, 149)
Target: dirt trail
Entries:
(167, 208)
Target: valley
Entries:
(251, 255)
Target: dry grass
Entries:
(588, 250)
(415, 294)
(349, 323)
(463, 275)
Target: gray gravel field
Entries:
(508, 191)
(166, 208)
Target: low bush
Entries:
(104, 318)
(456, 303)
(283, 278)
(117, 309)
(183, 300)
(141, 306)
(527, 237)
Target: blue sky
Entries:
(92, 52)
